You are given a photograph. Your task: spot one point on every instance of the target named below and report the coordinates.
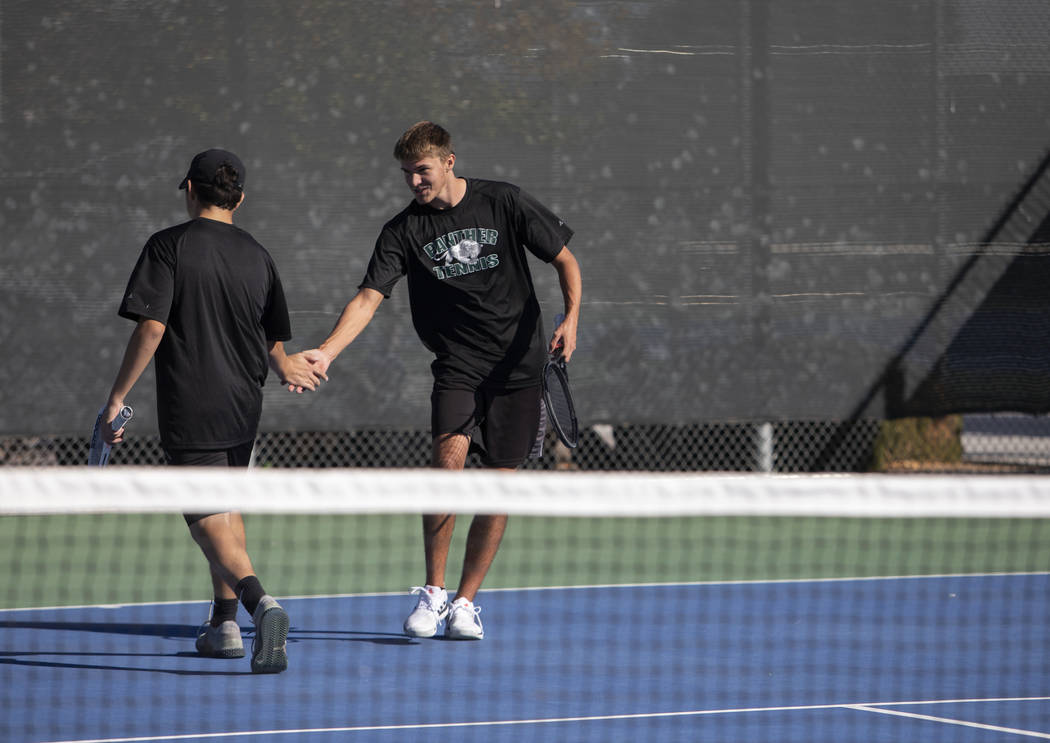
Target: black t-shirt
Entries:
(218, 293)
(469, 285)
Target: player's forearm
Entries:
(297, 371)
(278, 359)
(571, 282)
(141, 346)
(354, 318)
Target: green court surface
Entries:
(135, 558)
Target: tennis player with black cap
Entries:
(210, 309)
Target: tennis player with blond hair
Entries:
(463, 245)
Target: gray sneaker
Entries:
(269, 651)
(223, 641)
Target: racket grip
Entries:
(123, 416)
(98, 455)
(558, 320)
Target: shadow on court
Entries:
(375, 638)
(189, 631)
(19, 659)
(110, 628)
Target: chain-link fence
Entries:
(987, 443)
(814, 213)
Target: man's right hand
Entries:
(299, 373)
(319, 361)
(110, 436)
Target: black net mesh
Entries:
(995, 444)
(621, 606)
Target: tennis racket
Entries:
(98, 456)
(558, 399)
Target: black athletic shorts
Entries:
(503, 425)
(235, 456)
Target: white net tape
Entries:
(145, 489)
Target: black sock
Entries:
(250, 591)
(223, 610)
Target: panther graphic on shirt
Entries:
(459, 252)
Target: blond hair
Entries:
(424, 139)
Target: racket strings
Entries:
(559, 402)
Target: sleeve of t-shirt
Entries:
(387, 265)
(275, 319)
(543, 232)
(152, 283)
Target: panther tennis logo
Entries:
(465, 251)
(458, 253)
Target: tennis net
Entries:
(625, 606)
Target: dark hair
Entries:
(224, 191)
(425, 139)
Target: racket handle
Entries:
(123, 416)
(558, 320)
(98, 455)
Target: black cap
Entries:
(206, 165)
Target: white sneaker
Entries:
(463, 621)
(429, 612)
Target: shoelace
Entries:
(473, 608)
(425, 598)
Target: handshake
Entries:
(304, 370)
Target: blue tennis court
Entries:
(953, 658)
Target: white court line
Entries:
(672, 584)
(949, 721)
(869, 706)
